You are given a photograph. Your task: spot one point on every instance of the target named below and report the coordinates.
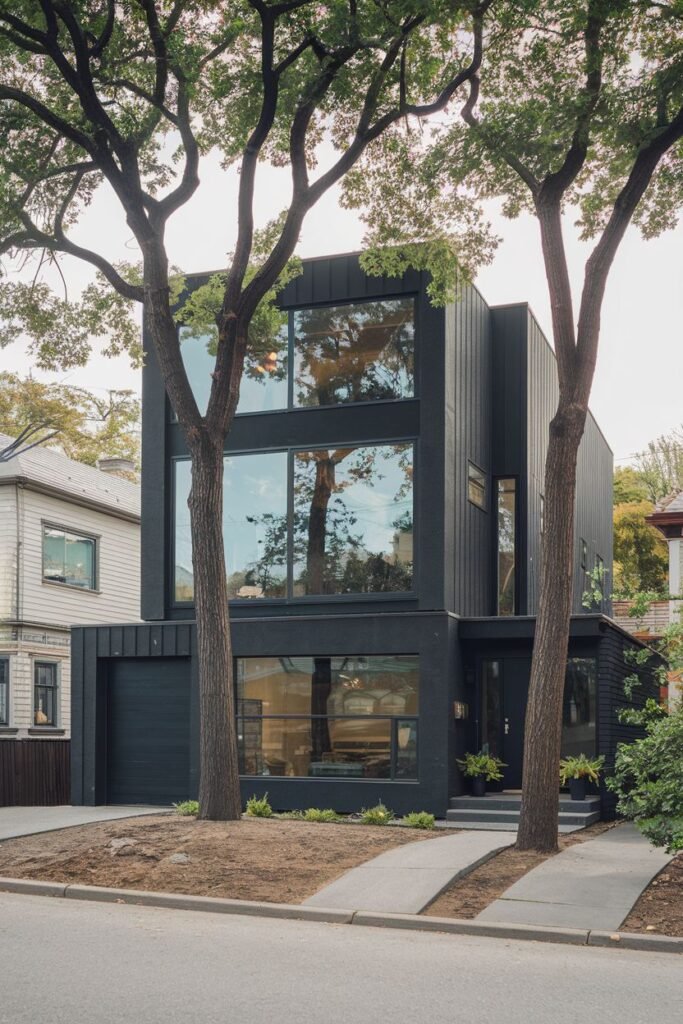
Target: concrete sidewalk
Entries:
(405, 880)
(591, 885)
(28, 821)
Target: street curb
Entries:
(410, 922)
(456, 926)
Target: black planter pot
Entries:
(478, 785)
(577, 789)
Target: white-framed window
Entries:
(69, 557)
(4, 691)
(476, 485)
(46, 693)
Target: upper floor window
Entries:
(317, 522)
(326, 355)
(476, 486)
(357, 352)
(69, 557)
(4, 691)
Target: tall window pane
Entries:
(353, 520)
(358, 352)
(507, 545)
(264, 382)
(45, 693)
(254, 526)
(579, 708)
(491, 710)
(4, 691)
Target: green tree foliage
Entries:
(660, 466)
(629, 486)
(641, 555)
(86, 427)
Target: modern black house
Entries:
(383, 517)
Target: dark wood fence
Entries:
(34, 773)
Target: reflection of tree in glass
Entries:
(354, 353)
(506, 551)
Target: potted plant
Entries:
(578, 771)
(481, 768)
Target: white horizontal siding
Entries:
(118, 599)
(8, 551)
(22, 657)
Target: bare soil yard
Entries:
(660, 909)
(274, 861)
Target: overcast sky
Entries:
(638, 390)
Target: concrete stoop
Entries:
(499, 812)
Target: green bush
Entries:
(648, 780)
(291, 815)
(419, 819)
(580, 767)
(315, 814)
(482, 764)
(259, 807)
(187, 808)
(377, 815)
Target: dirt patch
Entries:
(274, 861)
(659, 910)
(470, 895)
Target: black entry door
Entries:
(148, 731)
(515, 673)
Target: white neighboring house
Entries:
(69, 553)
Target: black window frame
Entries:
(482, 483)
(53, 689)
(5, 686)
(290, 407)
(79, 535)
(304, 599)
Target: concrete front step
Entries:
(512, 802)
(466, 815)
(498, 826)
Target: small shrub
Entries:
(482, 764)
(291, 815)
(187, 808)
(419, 819)
(580, 767)
(377, 815)
(315, 814)
(259, 807)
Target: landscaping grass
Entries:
(274, 860)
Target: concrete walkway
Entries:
(591, 885)
(405, 880)
(28, 821)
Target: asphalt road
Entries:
(93, 963)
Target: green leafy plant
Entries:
(419, 819)
(377, 815)
(482, 764)
(316, 814)
(580, 767)
(648, 780)
(259, 807)
(187, 808)
(290, 815)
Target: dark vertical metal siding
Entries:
(593, 509)
(469, 428)
(340, 278)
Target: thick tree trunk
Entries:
(219, 788)
(543, 726)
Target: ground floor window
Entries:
(579, 708)
(329, 716)
(4, 691)
(45, 693)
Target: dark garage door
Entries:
(148, 731)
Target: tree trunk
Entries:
(219, 788)
(543, 725)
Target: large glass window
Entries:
(263, 387)
(45, 693)
(254, 526)
(69, 558)
(349, 530)
(506, 490)
(358, 352)
(579, 708)
(353, 520)
(329, 716)
(4, 691)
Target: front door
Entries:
(504, 684)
